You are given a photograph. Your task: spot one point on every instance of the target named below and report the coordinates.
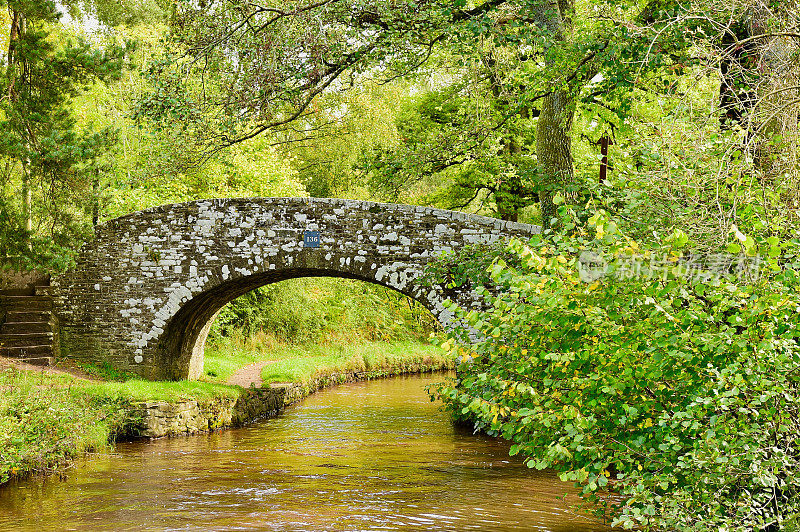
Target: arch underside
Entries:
(180, 353)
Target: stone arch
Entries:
(186, 332)
(145, 290)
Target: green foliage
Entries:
(672, 399)
(263, 67)
(323, 310)
(447, 158)
(465, 269)
(52, 160)
(127, 12)
(254, 169)
(329, 144)
(22, 250)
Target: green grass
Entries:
(132, 390)
(224, 358)
(299, 363)
(140, 390)
(299, 368)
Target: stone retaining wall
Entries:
(14, 279)
(157, 419)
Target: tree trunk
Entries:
(27, 210)
(17, 74)
(554, 150)
(16, 31)
(554, 129)
(773, 123)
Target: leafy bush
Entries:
(678, 392)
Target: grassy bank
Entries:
(47, 419)
(300, 363)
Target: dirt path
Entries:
(250, 374)
(49, 370)
(244, 377)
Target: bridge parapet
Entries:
(146, 289)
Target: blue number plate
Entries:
(311, 239)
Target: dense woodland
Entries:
(660, 133)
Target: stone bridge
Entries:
(147, 288)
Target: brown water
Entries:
(369, 456)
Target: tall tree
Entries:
(42, 72)
(554, 133)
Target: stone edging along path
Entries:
(157, 419)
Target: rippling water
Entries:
(369, 456)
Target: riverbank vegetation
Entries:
(671, 384)
(45, 423)
(47, 419)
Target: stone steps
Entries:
(17, 292)
(27, 332)
(26, 327)
(27, 302)
(27, 351)
(38, 355)
(25, 339)
(25, 316)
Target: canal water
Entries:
(374, 455)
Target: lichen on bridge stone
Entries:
(146, 289)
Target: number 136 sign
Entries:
(311, 239)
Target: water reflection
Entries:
(369, 456)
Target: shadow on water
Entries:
(369, 456)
